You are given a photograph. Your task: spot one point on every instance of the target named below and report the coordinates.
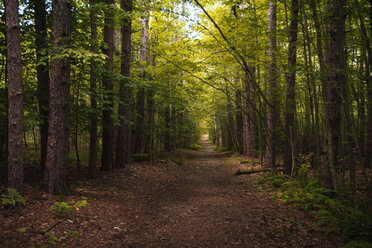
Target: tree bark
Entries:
(55, 176)
(319, 50)
(93, 88)
(336, 80)
(272, 115)
(124, 147)
(15, 111)
(290, 162)
(140, 122)
(42, 74)
(107, 83)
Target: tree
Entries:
(140, 122)
(107, 83)
(124, 145)
(93, 101)
(290, 161)
(272, 114)
(42, 68)
(15, 111)
(336, 82)
(55, 176)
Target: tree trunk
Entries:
(272, 115)
(336, 80)
(107, 83)
(368, 64)
(319, 49)
(290, 162)
(124, 146)
(15, 111)
(140, 123)
(93, 88)
(239, 121)
(167, 130)
(55, 176)
(42, 74)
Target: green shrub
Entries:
(195, 147)
(13, 199)
(63, 207)
(336, 214)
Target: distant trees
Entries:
(286, 83)
(82, 60)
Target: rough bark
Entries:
(336, 80)
(290, 162)
(272, 115)
(124, 146)
(93, 101)
(55, 176)
(107, 83)
(15, 111)
(42, 74)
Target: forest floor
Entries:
(195, 201)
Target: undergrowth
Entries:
(338, 215)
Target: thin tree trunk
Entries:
(93, 88)
(290, 163)
(107, 83)
(76, 138)
(167, 136)
(272, 115)
(124, 146)
(239, 121)
(55, 176)
(42, 74)
(319, 49)
(15, 111)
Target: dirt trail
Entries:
(205, 205)
(199, 203)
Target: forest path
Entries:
(197, 203)
(205, 205)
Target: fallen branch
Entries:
(252, 171)
(51, 227)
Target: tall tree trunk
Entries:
(290, 162)
(55, 176)
(140, 123)
(272, 115)
(107, 83)
(319, 50)
(15, 111)
(124, 146)
(93, 88)
(336, 80)
(42, 74)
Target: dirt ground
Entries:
(194, 201)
